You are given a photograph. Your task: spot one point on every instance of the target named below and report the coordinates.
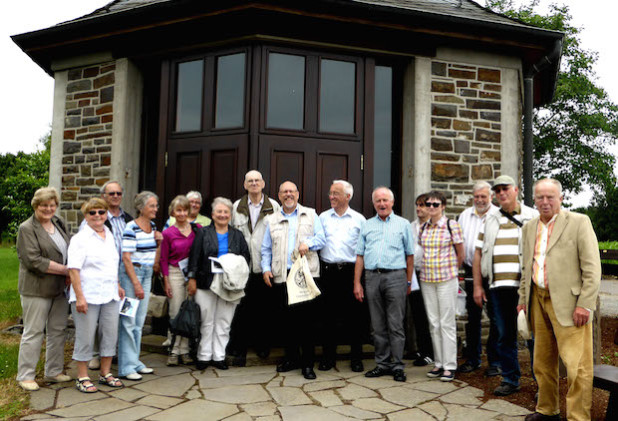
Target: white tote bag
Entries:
(300, 284)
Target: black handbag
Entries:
(188, 321)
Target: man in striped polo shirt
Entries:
(497, 259)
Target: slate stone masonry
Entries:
(87, 137)
(465, 129)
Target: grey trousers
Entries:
(386, 297)
(42, 315)
(100, 321)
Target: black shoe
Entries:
(286, 366)
(399, 376)
(468, 367)
(308, 373)
(537, 416)
(357, 366)
(506, 389)
(378, 372)
(201, 365)
(221, 365)
(239, 361)
(326, 365)
(493, 371)
(422, 361)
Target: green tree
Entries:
(573, 134)
(20, 176)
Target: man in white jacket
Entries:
(248, 216)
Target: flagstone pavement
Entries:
(260, 393)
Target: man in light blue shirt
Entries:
(385, 252)
(342, 227)
(294, 227)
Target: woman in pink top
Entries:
(175, 247)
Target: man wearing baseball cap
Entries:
(497, 260)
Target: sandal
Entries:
(84, 385)
(110, 380)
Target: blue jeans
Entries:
(504, 303)
(130, 328)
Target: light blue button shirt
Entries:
(385, 244)
(341, 234)
(314, 243)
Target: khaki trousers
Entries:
(44, 318)
(574, 346)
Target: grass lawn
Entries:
(13, 400)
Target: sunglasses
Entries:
(114, 193)
(499, 189)
(101, 212)
(433, 204)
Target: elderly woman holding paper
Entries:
(139, 247)
(95, 294)
(214, 241)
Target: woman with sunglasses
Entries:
(95, 294)
(443, 254)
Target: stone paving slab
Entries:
(169, 386)
(130, 414)
(464, 396)
(260, 409)
(354, 412)
(354, 391)
(410, 414)
(377, 405)
(406, 396)
(160, 402)
(44, 398)
(505, 407)
(287, 396)
(310, 412)
(92, 408)
(237, 394)
(196, 410)
(326, 398)
(260, 393)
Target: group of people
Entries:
(512, 256)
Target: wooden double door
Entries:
(295, 115)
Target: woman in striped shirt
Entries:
(139, 246)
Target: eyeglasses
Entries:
(114, 193)
(101, 212)
(434, 204)
(420, 205)
(499, 189)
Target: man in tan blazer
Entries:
(561, 274)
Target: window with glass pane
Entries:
(383, 126)
(337, 96)
(286, 91)
(189, 96)
(230, 102)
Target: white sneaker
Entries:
(94, 363)
(167, 342)
(29, 385)
(146, 370)
(60, 378)
(133, 376)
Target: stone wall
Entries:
(87, 137)
(465, 129)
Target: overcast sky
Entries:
(27, 91)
